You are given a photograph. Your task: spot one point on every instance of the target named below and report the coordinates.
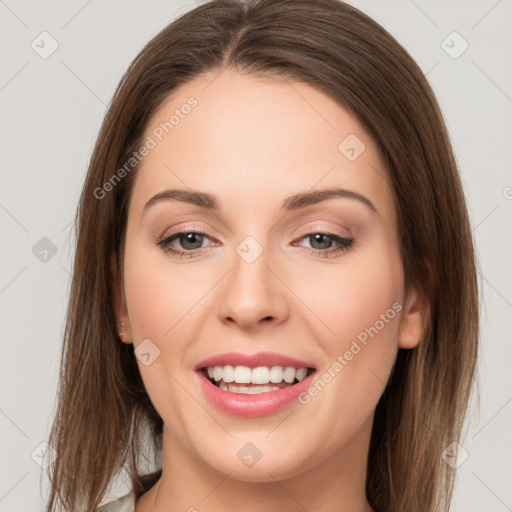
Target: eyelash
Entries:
(345, 244)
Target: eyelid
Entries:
(309, 229)
(186, 228)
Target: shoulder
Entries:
(124, 504)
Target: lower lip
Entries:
(252, 406)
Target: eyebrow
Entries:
(295, 202)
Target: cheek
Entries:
(160, 302)
(363, 307)
(354, 299)
(160, 297)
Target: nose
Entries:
(253, 293)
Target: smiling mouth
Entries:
(253, 381)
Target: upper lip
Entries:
(252, 360)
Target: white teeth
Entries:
(276, 374)
(301, 374)
(242, 375)
(289, 374)
(217, 373)
(228, 374)
(259, 375)
(246, 390)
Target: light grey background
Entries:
(51, 110)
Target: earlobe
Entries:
(119, 304)
(414, 319)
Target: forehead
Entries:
(247, 139)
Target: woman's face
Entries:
(268, 267)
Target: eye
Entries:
(191, 241)
(325, 243)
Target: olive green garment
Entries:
(124, 504)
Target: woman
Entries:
(314, 347)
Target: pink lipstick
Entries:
(252, 385)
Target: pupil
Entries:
(318, 237)
(189, 238)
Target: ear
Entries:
(414, 318)
(119, 303)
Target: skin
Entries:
(252, 143)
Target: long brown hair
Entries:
(103, 407)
